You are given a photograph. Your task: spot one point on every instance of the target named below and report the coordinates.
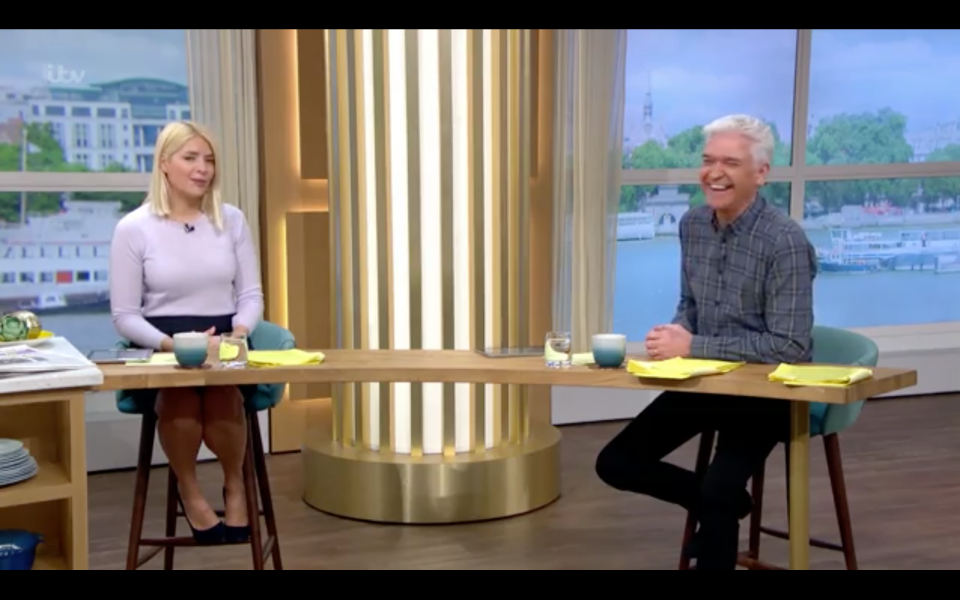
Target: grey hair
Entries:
(758, 132)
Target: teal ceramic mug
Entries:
(191, 349)
(609, 350)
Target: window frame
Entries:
(891, 338)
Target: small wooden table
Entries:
(451, 366)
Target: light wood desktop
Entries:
(426, 366)
(52, 423)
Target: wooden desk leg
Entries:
(77, 527)
(800, 486)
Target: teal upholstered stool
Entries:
(830, 346)
(266, 336)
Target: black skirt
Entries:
(170, 326)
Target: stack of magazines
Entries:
(26, 360)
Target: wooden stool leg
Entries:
(831, 445)
(263, 478)
(253, 506)
(148, 429)
(704, 455)
(173, 507)
(756, 516)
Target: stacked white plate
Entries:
(16, 464)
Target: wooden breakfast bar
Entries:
(448, 366)
(51, 422)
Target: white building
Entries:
(102, 124)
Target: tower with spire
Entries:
(648, 108)
(651, 129)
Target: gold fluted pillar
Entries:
(431, 150)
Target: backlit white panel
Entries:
(488, 158)
(431, 271)
(461, 222)
(399, 226)
(372, 310)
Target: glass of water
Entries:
(558, 350)
(233, 351)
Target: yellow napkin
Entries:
(156, 359)
(283, 358)
(680, 368)
(817, 376)
(584, 358)
(273, 358)
(255, 358)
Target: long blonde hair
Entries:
(173, 137)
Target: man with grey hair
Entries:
(746, 295)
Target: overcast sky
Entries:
(99, 54)
(698, 75)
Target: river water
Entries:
(648, 284)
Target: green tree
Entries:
(685, 151)
(866, 138)
(940, 188)
(46, 155)
(782, 152)
(856, 139)
(687, 147)
(629, 198)
(650, 155)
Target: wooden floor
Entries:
(902, 475)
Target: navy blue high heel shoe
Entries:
(234, 535)
(215, 536)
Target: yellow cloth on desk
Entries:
(157, 359)
(817, 376)
(283, 358)
(273, 358)
(255, 358)
(680, 368)
(581, 359)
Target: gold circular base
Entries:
(387, 488)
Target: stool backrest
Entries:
(269, 336)
(843, 347)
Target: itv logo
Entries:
(61, 75)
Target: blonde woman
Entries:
(184, 261)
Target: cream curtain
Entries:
(223, 90)
(589, 105)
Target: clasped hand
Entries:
(668, 341)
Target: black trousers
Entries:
(748, 431)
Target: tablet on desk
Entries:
(512, 352)
(117, 356)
